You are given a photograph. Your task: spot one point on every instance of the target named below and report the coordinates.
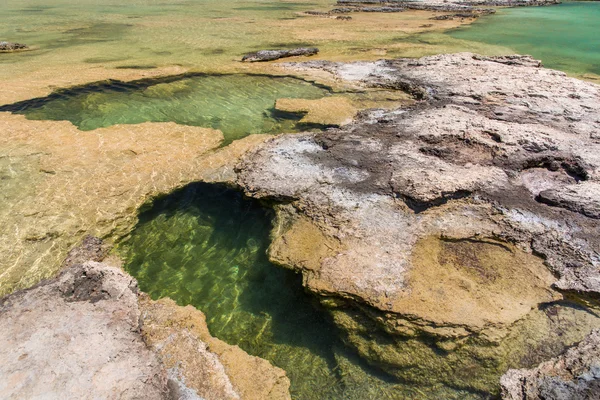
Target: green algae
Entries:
(206, 245)
(238, 105)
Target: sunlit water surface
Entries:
(564, 37)
(206, 246)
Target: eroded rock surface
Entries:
(89, 333)
(574, 375)
(452, 185)
(77, 337)
(471, 6)
(209, 366)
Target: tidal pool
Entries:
(206, 245)
(237, 104)
(564, 36)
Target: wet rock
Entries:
(574, 375)
(450, 183)
(9, 46)
(333, 110)
(90, 249)
(210, 367)
(270, 55)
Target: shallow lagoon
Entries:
(565, 37)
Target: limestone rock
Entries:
(333, 110)
(454, 183)
(574, 375)
(76, 337)
(270, 55)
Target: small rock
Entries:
(9, 46)
(270, 55)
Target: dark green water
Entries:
(564, 37)
(206, 246)
(238, 105)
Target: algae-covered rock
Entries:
(209, 366)
(334, 110)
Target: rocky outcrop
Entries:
(89, 333)
(77, 335)
(270, 55)
(9, 47)
(209, 366)
(575, 375)
(435, 250)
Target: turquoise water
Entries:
(238, 105)
(564, 37)
(206, 246)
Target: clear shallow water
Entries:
(564, 37)
(238, 105)
(206, 246)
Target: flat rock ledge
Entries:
(271, 55)
(575, 375)
(89, 333)
(445, 233)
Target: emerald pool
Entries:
(564, 36)
(206, 245)
(236, 104)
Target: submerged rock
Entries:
(207, 365)
(270, 55)
(333, 110)
(575, 375)
(9, 46)
(422, 228)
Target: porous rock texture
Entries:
(458, 221)
(90, 334)
(575, 375)
(77, 337)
